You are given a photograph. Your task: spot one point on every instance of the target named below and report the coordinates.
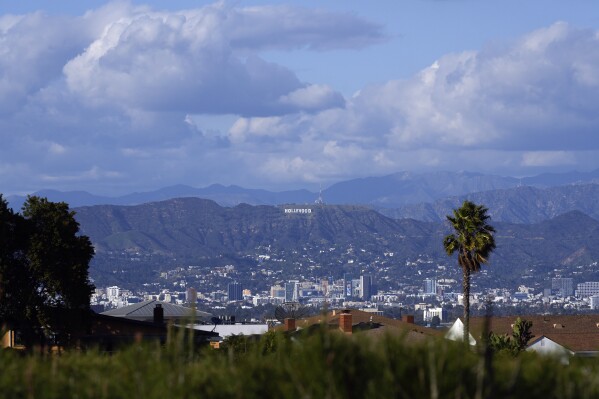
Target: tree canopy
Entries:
(44, 266)
(521, 334)
(473, 240)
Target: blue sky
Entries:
(114, 97)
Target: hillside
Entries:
(514, 205)
(408, 188)
(191, 228)
(197, 227)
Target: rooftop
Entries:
(145, 311)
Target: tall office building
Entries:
(191, 295)
(347, 286)
(324, 287)
(355, 288)
(235, 291)
(292, 291)
(562, 286)
(365, 287)
(430, 286)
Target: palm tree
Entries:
(473, 241)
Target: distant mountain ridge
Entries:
(224, 195)
(386, 192)
(523, 204)
(408, 188)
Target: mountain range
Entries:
(404, 193)
(522, 204)
(190, 228)
(224, 195)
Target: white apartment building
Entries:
(432, 312)
(113, 293)
(587, 289)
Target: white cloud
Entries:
(95, 173)
(257, 127)
(533, 103)
(113, 97)
(56, 149)
(196, 61)
(288, 27)
(28, 60)
(205, 60)
(313, 98)
(118, 89)
(548, 158)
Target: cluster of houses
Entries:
(145, 321)
(559, 335)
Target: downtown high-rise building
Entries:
(562, 286)
(235, 291)
(348, 286)
(365, 287)
(430, 286)
(292, 291)
(191, 295)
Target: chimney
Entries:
(345, 322)
(289, 324)
(410, 318)
(158, 314)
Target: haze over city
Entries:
(114, 97)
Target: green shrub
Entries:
(318, 364)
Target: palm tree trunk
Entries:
(466, 300)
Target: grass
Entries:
(322, 365)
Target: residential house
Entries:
(561, 335)
(370, 324)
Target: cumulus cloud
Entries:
(205, 60)
(110, 98)
(531, 103)
(114, 87)
(313, 98)
(197, 61)
(30, 61)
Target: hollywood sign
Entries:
(298, 210)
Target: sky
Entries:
(117, 97)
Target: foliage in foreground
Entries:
(323, 365)
(44, 266)
(515, 344)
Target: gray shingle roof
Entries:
(145, 311)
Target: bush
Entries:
(322, 364)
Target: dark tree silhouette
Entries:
(15, 282)
(44, 262)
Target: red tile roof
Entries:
(381, 325)
(579, 333)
